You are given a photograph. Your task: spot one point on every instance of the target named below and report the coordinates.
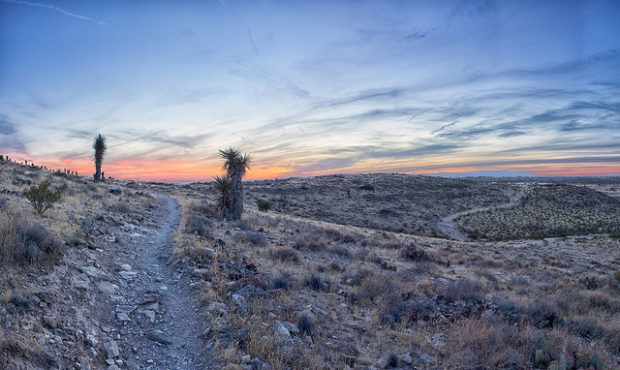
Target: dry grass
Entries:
(375, 295)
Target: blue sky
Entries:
(313, 87)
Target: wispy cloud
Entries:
(7, 127)
(445, 126)
(57, 9)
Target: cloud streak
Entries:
(57, 9)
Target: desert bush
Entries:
(544, 314)
(122, 207)
(317, 284)
(242, 225)
(26, 242)
(586, 327)
(359, 276)
(285, 255)
(394, 311)
(252, 237)
(373, 288)
(263, 205)
(205, 209)
(480, 344)
(42, 197)
(412, 253)
(464, 290)
(305, 324)
(282, 281)
(341, 251)
(617, 275)
(198, 225)
(307, 242)
(367, 187)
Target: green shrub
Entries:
(617, 275)
(263, 205)
(42, 198)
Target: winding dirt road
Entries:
(446, 225)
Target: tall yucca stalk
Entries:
(235, 165)
(99, 147)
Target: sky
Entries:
(312, 87)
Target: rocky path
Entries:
(446, 225)
(146, 309)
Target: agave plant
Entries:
(235, 165)
(99, 147)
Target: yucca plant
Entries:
(235, 165)
(223, 186)
(99, 147)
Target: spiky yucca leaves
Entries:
(235, 165)
(99, 147)
(223, 186)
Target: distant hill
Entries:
(502, 173)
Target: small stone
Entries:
(111, 349)
(426, 358)
(125, 267)
(292, 328)
(280, 330)
(128, 275)
(200, 272)
(91, 340)
(150, 315)
(406, 358)
(114, 190)
(107, 287)
(122, 317)
(109, 361)
(205, 333)
(19, 301)
(92, 352)
(438, 340)
(50, 359)
(50, 322)
(382, 363)
(159, 337)
(246, 359)
(113, 367)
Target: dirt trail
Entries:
(147, 309)
(446, 225)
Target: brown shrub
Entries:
(24, 241)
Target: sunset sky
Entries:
(312, 87)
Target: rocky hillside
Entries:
(546, 211)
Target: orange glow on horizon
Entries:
(175, 170)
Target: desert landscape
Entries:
(283, 185)
(341, 271)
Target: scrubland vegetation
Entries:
(352, 296)
(549, 210)
(318, 273)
